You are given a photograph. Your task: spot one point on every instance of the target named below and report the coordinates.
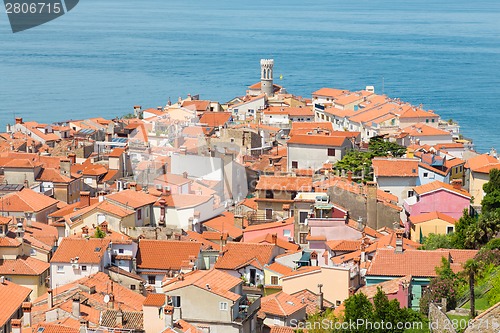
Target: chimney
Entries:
(182, 150)
(163, 210)
(84, 199)
(320, 298)
(185, 174)
(72, 158)
(133, 186)
(104, 226)
(84, 325)
(111, 301)
(85, 231)
(275, 238)
(65, 167)
(169, 316)
(371, 205)
(19, 120)
(399, 241)
(50, 300)
(75, 307)
(349, 176)
(20, 232)
(119, 318)
(238, 221)
(27, 314)
(166, 191)
(457, 184)
(16, 325)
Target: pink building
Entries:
(283, 229)
(399, 289)
(438, 197)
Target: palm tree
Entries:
(472, 269)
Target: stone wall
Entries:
(486, 322)
(439, 321)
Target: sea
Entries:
(104, 57)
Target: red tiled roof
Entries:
(438, 185)
(215, 119)
(152, 254)
(344, 245)
(280, 242)
(279, 268)
(424, 130)
(388, 287)
(303, 270)
(12, 297)
(480, 161)
(132, 198)
(317, 140)
(224, 223)
(156, 300)
(23, 266)
(395, 167)
(26, 200)
(88, 250)
(215, 281)
(280, 304)
(387, 262)
(329, 92)
(282, 183)
(311, 301)
(237, 255)
(416, 219)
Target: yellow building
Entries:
(272, 277)
(431, 223)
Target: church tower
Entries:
(266, 76)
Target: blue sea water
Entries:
(105, 56)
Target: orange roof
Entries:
(250, 203)
(237, 255)
(387, 262)
(329, 92)
(224, 223)
(281, 304)
(285, 183)
(117, 152)
(151, 254)
(437, 186)
(317, 140)
(215, 119)
(344, 245)
(196, 237)
(279, 268)
(26, 200)
(421, 218)
(214, 281)
(156, 300)
(132, 198)
(88, 250)
(280, 242)
(395, 167)
(424, 130)
(52, 175)
(270, 225)
(5, 220)
(388, 287)
(303, 270)
(414, 112)
(480, 161)
(196, 105)
(23, 266)
(285, 329)
(311, 300)
(12, 297)
(53, 328)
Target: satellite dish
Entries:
(106, 299)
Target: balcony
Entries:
(249, 305)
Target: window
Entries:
(84, 268)
(338, 303)
(60, 269)
(286, 233)
(269, 213)
(139, 214)
(426, 175)
(176, 301)
(295, 164)
(151, 279)
(132, 287)
(426, 120)
(223, 306)
(331, 151)
(274, 280)
(302, 217)
(269, 194)
(410, 194)
(32, 252)
(120, 250)
(449, 229)
(302, 238)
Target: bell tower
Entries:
(266, 76)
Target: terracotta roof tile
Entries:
(311, 301)
(480, 161)
(317, 140)
(303, 270)
(388, 287)
(132, 198)
(421, 218)
(224, 223)
(237, 255)
(26, 200)
(151, 254)
(420, 129)
(281, 304)
(131, 320)
(215, 281)
(88, 250)
(156, 300)
(23, 266)
(282, 183)
(329, 92)
(344, 245)
(395, 167)
(12, 297)
(437, 186)
(280, 242)
(279, 268)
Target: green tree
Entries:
(472, 270)
(380, 147)
(99, 233)
(437, 241)
(466, 222)
(491, 199)
(485, 229)
(358, 307)
(444, 285)
(357, 162)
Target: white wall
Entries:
(399, 186)
(69, 274)
(309, 156)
